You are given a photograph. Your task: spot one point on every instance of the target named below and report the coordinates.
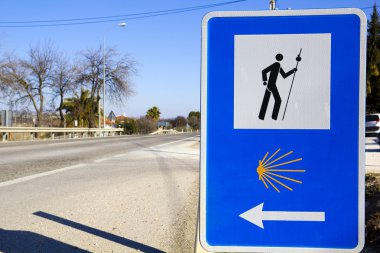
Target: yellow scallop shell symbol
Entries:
(270, 170)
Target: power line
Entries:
(105, 19)
(126, 15)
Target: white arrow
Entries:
(256, 216)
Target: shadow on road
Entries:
(108, 236)
(15, 241)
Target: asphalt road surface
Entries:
(19, 159)
(120, 194)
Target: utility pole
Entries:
(272, 5)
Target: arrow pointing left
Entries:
(256, 216)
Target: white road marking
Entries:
(102, 160)
(43, 174)
(63, 143)
(119, 155)
(172, 142)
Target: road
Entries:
(120, 194)
(372, 155)
(20, 159)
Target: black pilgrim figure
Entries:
(271, 88)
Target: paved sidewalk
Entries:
(372, 155)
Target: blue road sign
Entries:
(282, 144)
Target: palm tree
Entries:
(153, 113)
(81, 108)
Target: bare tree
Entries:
(118, 70)
(27, 80)
(146, 125)
(63, 84)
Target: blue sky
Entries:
(166, 48)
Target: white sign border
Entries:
(361, 133)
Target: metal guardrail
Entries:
(5, 131)
(56, 130)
